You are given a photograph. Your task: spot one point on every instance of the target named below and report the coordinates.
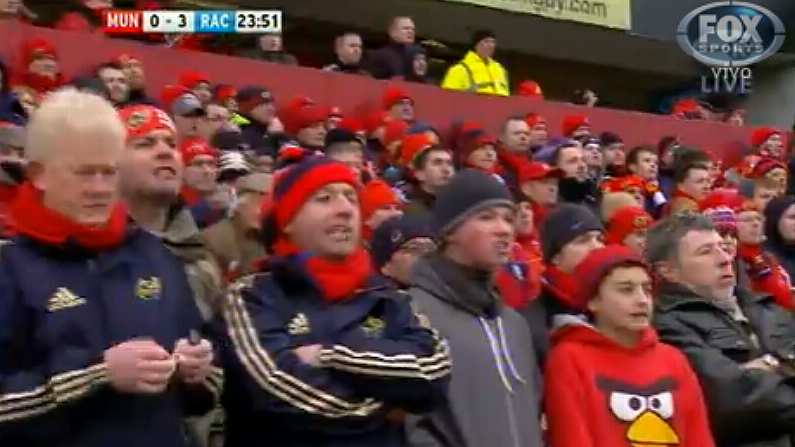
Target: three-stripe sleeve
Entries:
(261, 345)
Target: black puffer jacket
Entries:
(747, 407)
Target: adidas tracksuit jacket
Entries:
(60, 309)
(376, 357)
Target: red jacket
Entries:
(600, 394)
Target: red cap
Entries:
(394, 131)
(375, 195)
(573, 122)
(534, 119)
(597, 265)
(761, 134)
(37, 47)
(393, 95)
(530, 88)
(412, 147)
(196, 147)
(170, 94)
(625, 221)
(535, 170)
(191, 79)
(142, 119)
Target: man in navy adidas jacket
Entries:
(318, 353)
(96, 316)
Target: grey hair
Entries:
(662, 241)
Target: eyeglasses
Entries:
(418, 248)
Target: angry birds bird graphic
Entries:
(646, 410)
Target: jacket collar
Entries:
(673, 296)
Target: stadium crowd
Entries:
(207, 268)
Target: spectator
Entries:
(780, 231)
(226, 95)
(431, 166)
(473, 219)
(742, 372)
(513, 149)
(270, 48)
(234, 240)
(568, 234)
(397, 244)
(479, 152)
(771, 172)
(539, 183)
(280, 362)
(136, 79)
(575, 186)
(399, 104)
(692, 186)
(628, 227)
(631, 184)
(530, 89)
(394, 61)
(666, 150)
(198, 83)
(150, 180)
(65, 248)
(90, 84)
(334, 118)
(584, 97)
(478, 72)
(185, 108)
(378, 204)
(643, 162)
(112, 75)
(644, 391)
(539, 131)
(763, 190)
(392, 140)
(615, 159)
(768, 142)
(594, 159)
(419, 65)
(216, 118)
(347, 148)
(519, 280)
(575, 126)
(262, 128)
(307, 123)
(207, 200)
(12, 171)
(348, 48)
(41, 70)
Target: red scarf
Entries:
(562, 285)
(39, 83)
(190, 196)
(336, 280)
(32, 219)
(510, 161)
(539, 214)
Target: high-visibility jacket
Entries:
(474, 74)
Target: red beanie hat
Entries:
(572, 122)
(760, 135)
(597, 265)
(191, 79)
(141, 119)
(375, 195)
(534, 119)
(530, 88)
(394, 131)
(412, 147)
(304, 117)
(195, 147)
(394, 95)
(37, 47)
(625, 221)
(352, 124)
(765, 165)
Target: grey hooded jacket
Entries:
(495, 392)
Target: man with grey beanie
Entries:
(453, 290)
(569, 233)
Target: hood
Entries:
(182, 235)
(440, 278)
(580, 332)
(424, 277)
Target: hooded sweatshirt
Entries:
(494, 377)
(605, 394)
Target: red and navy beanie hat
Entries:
(293, 187)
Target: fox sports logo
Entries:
(730, 34)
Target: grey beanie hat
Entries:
(469, 192)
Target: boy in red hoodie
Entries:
(609, 381)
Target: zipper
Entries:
(512, 420)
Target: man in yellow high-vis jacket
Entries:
(478, 72)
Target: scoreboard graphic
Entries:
(137, 22)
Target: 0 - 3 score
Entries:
(258, 21)
(168, 22)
